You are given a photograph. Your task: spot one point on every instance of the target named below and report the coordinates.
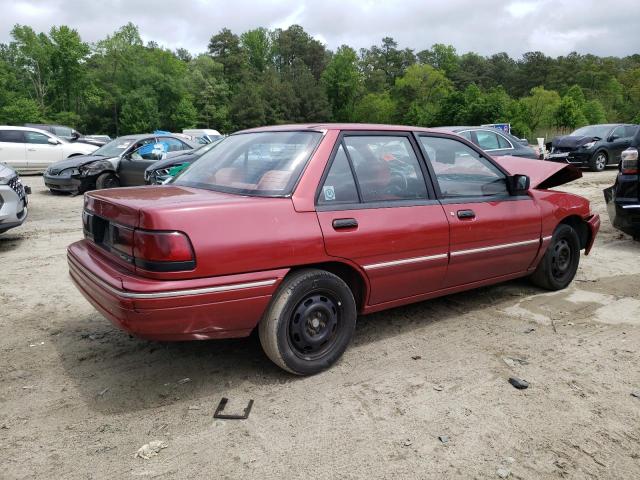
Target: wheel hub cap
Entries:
(314, 324)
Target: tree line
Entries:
(119, 85)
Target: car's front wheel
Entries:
(559, 265)
(599, 161)
(309, 322)
(107, 180)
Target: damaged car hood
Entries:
(568, 141)
(77, 161)
(542, 174)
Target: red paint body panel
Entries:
(211, 315)
(388, 234)
(244, 246)
(495, 224)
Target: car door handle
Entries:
(464, 214)
(344, 223)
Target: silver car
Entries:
(13, 199)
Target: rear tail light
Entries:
(629, 164)
(162, 251)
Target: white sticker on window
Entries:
(329, 192)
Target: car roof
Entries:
(337, 126)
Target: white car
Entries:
(30, 150)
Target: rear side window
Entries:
(35, 137)
(11, 136)
(630, 130)
(461, 171)
(63, 132)
(488, 140)
(339, 186)
(503, 142)
(386, 168)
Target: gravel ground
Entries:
(78, 397)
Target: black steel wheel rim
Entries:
(314, 325)
(561, 258)
(110, 182)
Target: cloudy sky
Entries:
(555, 27)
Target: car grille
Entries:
(561, 149)
(16, 186)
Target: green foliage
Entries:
(375, 108)
(342, 82)
(569, 114)
(19, 111)
(139, 112)
(122, 85)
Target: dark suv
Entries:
(623, 198)
(593, 146)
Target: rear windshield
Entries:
(262, 163)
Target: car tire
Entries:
(107, 180)
(309, 322)
(560, 263)
(599, 161)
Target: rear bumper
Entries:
(624, 213)
(198, 309)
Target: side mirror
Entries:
(75, 135)
(518, 184)
(612, 138)
(52, 141)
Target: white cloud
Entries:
(490, 26)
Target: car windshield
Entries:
(114, 148)
(592, 131)
(261, 163)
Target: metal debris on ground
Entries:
(150, 449)
(635, 393)
(438, 388)
(223, 403)
(529, 330)
(416, 357)
(183, 381)
(518, 383)
(443, 439)
(103, 391)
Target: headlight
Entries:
(588, 145)
(94, 168)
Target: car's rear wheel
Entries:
(309, 322)
(599, 161)
(107, 180)
(559, 265)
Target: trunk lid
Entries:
(542, 174)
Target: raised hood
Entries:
(542, 174)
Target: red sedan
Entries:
(298, 229)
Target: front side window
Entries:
(260, 163)
(35, 137)
(152, 151)
(618, 132)
(64, 132)
(461, 171)
(386, 168)
(173, 144)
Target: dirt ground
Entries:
(78, 397)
